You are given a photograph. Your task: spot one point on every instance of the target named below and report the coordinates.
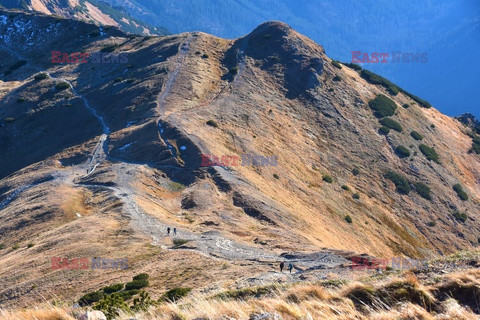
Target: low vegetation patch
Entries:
(391, 87)
(40, 76)
(355, 171)
(212, 123)
(406, 105)
(90, 298)
(384, 131)
(460, 216)
(136, 284)
(345, 187)
(356, 196)
(62, 86)
(175, 294)
(423, 190)
(383, 106)
(354, 66)
(336, 64)
(391, 124)
(234, 70)
(429, 153)
(460, 192)
(337, 79)
(179, 242)
(402, 152)
(417, 136)
(247, 293)
(327, 178)
(475, 144)
(402, 184)
(374, 78)
(348, 219)
(109, 48)
(113, 288)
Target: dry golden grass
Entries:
(298, 301)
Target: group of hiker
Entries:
(174, 231)
(282, 266)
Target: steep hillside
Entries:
(98, 159)
(91, 11)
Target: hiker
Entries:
(174, 231)
(282, 265)
(168, 230)
(290, 267)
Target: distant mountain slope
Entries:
(448, 31)
(93, 11)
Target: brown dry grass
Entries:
(298, 301)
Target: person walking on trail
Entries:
(174, 231)
(290, 267)
(282, 265)
(168, 230)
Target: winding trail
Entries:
(212, 244)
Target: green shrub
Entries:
(15, 246)
(348, 219)
(356, 196)
(383, 106)
(460, 192)
(402, 152)
(429, 153)
(402, 184)
(2, 246)
(20, 100)
(109, 48)
(276, 176)
(345, 187)
(130, 81)
(234, 70)
(353, 66)
(141, 276)
(126, 295)
(476, 144)
(212, 123)
(406, 105)
(179, 242)
(62, 86)
(376, 79)
(355, 171)
(337, 79)
(143, 302)
(431, 224)
(460, 216)
(205, 56)
(90, 298)
(417, 136)
(112, 306)
(30, 245)
(327, 178)
(119, 79)
(175, 294)
(40, 76)
(392, 124)
(384, 131)
(423, 190)
(336, 64)
(113, 288)
(136, 284)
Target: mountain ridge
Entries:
(82, 190)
